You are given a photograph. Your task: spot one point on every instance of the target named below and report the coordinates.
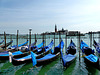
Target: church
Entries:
(62, 32)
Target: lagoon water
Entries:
(55, 67)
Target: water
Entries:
(53, 68)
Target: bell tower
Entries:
(55, 28)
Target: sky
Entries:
(42, 15)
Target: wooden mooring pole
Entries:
(30, 39)
(17, 38)
(45, 39)
(93, 36)
(66, 42)
(54, 40)
(91, 39)
(11, 39)
(79, 46)
(43, 44)
(5, 40)
(99, 36)
(35, 39)
(27, 38)
(59, 37)
(98, 55)
(60, 43)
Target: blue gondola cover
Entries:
(15, 46)
(83, 44)
(92, 58)
(33, 59)
(14, 53)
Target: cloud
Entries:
(43, 15)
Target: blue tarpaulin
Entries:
(92, 58)
(14, 53)
(33, 59)
(15, 46)
(83, 44)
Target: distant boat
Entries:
(28, 59)
(7, 44)
(89, 56)
(70, 55)
(1, 41)
(97, 46)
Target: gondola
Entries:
(5, 55)
(70, 55)
(1, 42)
(35, 48)
(89, 56)
(27, 59)
(15, 46)
(26, 47)
(7, 44)
(97, 47)
(49, 57)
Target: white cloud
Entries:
(80, 15)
